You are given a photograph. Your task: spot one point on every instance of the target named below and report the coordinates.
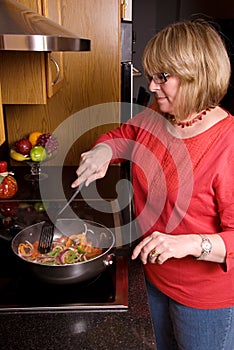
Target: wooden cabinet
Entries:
(91, 79)
(32, 77)
(22, 76)
(54, 60)
(35, 5)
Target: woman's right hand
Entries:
(93, 164)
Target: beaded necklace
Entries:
(187, 123)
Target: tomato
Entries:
(38, 154)
(3, 166)
(8, 186)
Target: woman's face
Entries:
(165, 93)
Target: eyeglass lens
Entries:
(160, 78)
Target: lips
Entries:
(161, 98)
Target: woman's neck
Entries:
(212, 117)
(189, 121)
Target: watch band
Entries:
(206, 247)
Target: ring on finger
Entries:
(153, 254)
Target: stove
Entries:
(22, 292)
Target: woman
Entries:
(182, 174)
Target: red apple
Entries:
(23, 146)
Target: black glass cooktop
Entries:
(22, 291)
(19, 290)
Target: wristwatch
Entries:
(206, 247)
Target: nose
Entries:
(153, 86)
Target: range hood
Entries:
(22, 29)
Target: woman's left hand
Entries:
(159, 247)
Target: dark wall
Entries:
(152, 15)
(213, 8)
(148, 18)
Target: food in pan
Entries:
(65, 250)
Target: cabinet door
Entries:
(22, 74)
(31, 77)
(22, 77)
(35, 5)
(54, 60)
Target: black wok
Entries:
(102, 237)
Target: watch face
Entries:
(206, 245)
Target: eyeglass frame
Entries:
(159, 77)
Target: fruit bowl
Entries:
(33, 151)
(35, 172)
(35, 167)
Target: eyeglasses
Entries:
(160, 78)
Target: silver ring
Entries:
(153, 254)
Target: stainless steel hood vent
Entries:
(22, 29)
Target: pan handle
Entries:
(109, 260)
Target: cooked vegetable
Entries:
(65, 250)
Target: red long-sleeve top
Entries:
(182, 186)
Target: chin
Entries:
(165, 110)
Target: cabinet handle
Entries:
(57, 70)
(124, 4)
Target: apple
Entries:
(23, 146)
(38, 154)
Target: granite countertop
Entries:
(130, 328)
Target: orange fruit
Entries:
(33, 137)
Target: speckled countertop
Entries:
(131, 329)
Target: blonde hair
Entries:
(195, 53)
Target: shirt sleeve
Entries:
(225, 199)
(119, 141)
(123, 138)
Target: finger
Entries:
(153, 255)
(82, 177)
(139, 247)
(75, 183)
(159, 260)
(163, 257)
(150, 252)
(144, 253)
(90, 179)
(85, 167)
(84, 155)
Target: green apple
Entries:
(38, 154)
